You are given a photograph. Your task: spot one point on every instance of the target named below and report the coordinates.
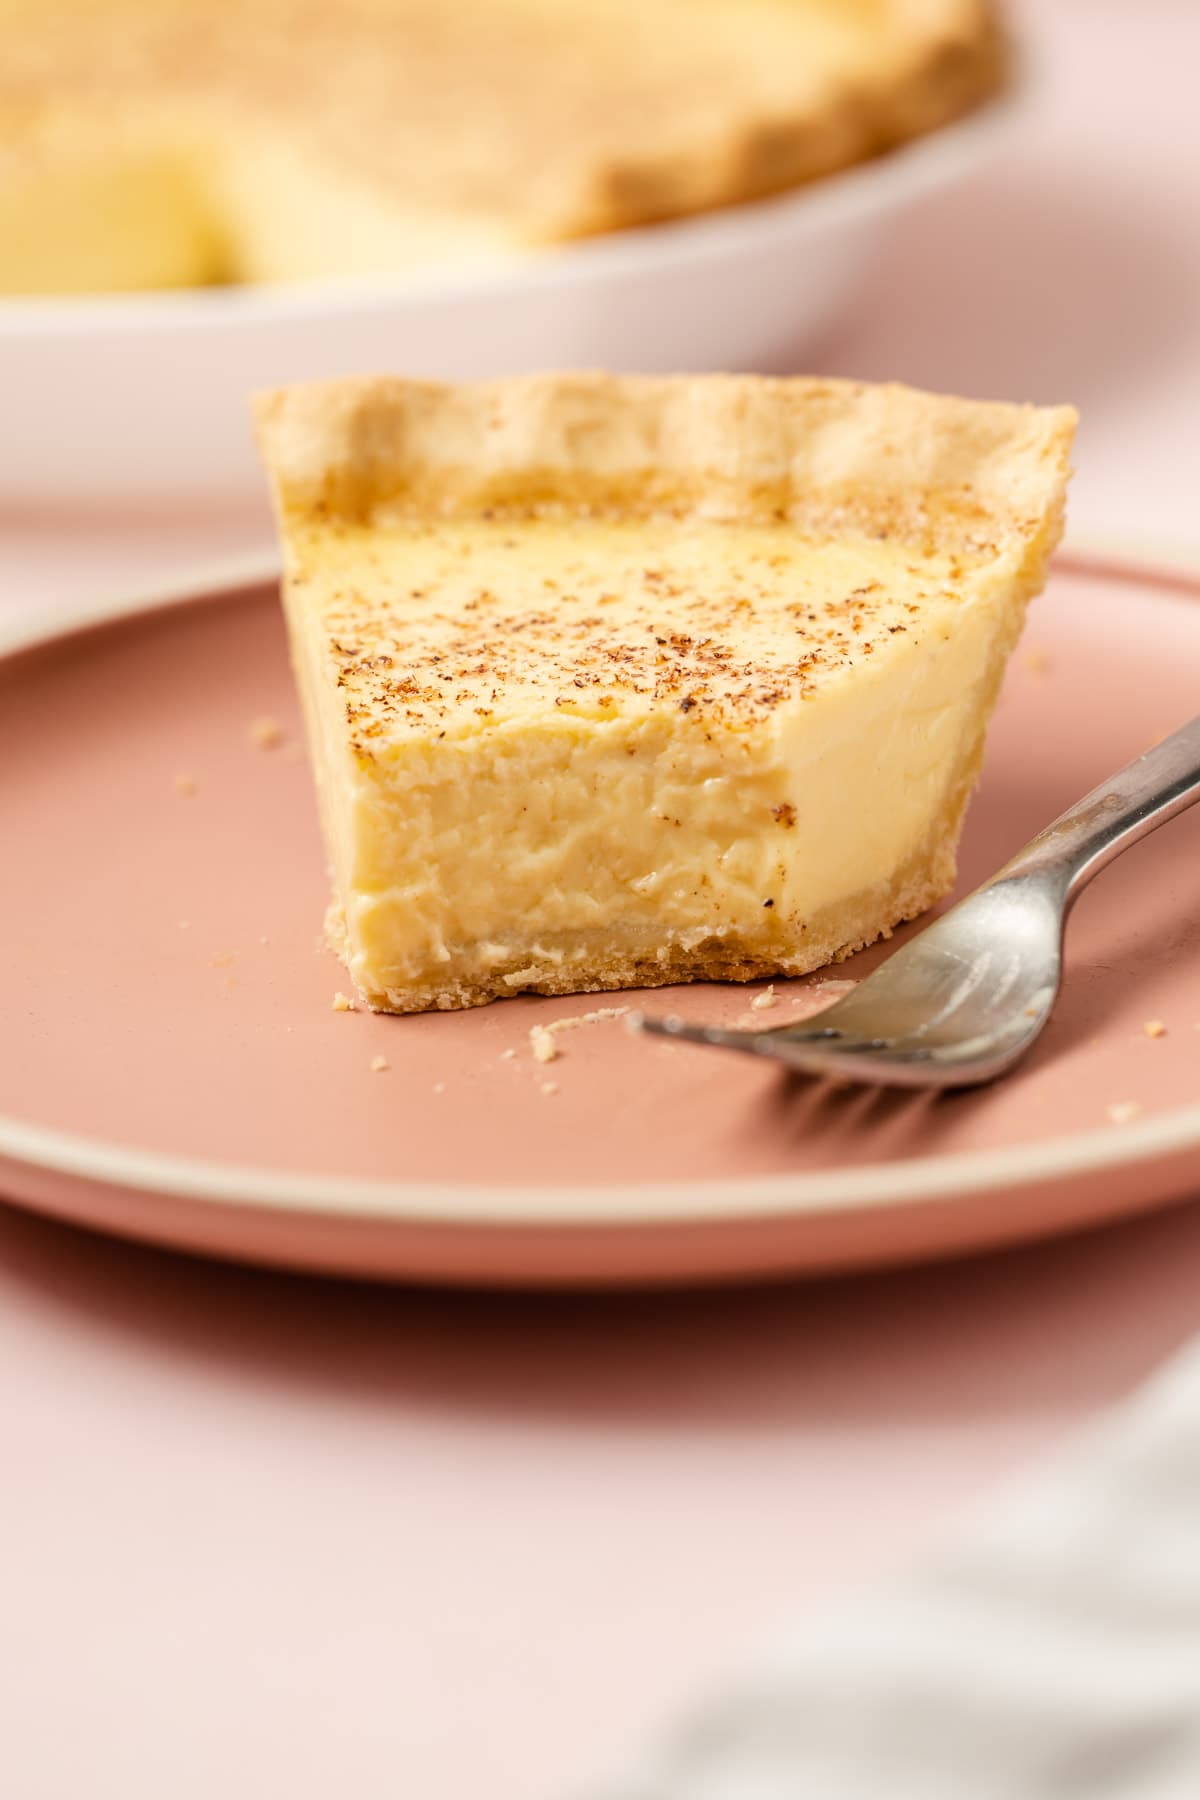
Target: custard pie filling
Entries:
(564, 744)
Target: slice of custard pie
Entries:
(613, 682)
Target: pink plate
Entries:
(172, 1068)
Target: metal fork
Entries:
(964, 1001)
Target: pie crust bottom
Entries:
(828, 937)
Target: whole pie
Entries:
(148, 143)
(615, 682)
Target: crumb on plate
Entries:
(1122, 1111)
(767, 998)
(541, 1037)
(186, 784)
(549, 1087)
(1154, 1028)
(379, 1064)
(1038, 662)
(266, 733)
(342, 1003)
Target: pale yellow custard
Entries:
(565, 745)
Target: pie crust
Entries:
(949, 500)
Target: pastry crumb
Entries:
(507, 1055)
(767, 998)
(379, 1064)
(186, 785)
(542, 1037)
(266, 733)
(1154, 1028)
(439, 1087)
(1038, 662)
(342, 1003)
(1122, 1111)
(549, 1087)
(221, 959)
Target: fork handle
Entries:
(1144, 794)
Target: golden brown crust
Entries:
(819, 452)
(930, 65)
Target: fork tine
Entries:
(796, 1049)
(824, 1057)
(672, 1027)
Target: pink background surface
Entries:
(270, 1535)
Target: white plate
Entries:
(143, 397)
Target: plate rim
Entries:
(505, 1207)
(863, 189)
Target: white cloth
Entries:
(1051, 1652)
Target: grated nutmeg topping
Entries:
(447, 628)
